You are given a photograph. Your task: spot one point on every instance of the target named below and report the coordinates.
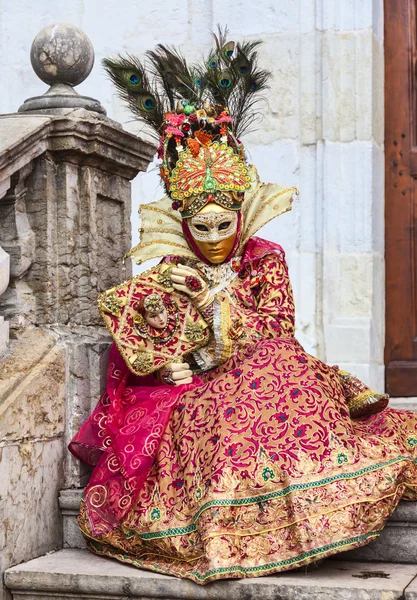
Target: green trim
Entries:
(98, 548)
(289, 561)
(267, 497)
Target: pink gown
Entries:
(256, 467)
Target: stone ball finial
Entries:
(62, 53)
(62, 56)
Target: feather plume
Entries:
(133, 86)
(229, 79)
(170, 70)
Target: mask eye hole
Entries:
(201, 227)
(224, 226)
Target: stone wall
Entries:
(323, 131)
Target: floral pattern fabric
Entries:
(259, 467)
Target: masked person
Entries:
(258, 466)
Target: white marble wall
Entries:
(323, 131)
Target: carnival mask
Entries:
(214, 231)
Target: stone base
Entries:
(78, 574)
(69, 503)
(403, 403)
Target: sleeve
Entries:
(262, 308)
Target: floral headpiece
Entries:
(198, 113)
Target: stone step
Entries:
(403, 403)
(78, 574)
(397, 543)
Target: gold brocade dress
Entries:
(260, 469)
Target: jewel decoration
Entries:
(112, 303)
(194, 332)
(216, 167)
(143, 361)
(193, 284)
(164, 277)
(153, 303)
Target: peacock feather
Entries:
(228, 82)
(134, 87)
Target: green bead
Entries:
(189, 109)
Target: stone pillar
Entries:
(69, 216)
(65, 205)
(4, 282)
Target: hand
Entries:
(176, 374)
(188, 281)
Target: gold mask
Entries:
(214, 231)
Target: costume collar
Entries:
(161, 231)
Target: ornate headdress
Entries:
(152, 304)
(198, 113)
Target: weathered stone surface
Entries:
(81, 224)
(62, 53)
(22, 139)
(63, 56)
(28, 348)
(32, 390)
(78, 574)
(4, 270)
(411, 591)
(65, 219)
(4, 336)
(31, 474)
(404, 403)
(32, 394)
(87, 357)
(25, 137)
(4, 282)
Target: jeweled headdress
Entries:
(198, 114)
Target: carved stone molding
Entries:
(65, 212)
